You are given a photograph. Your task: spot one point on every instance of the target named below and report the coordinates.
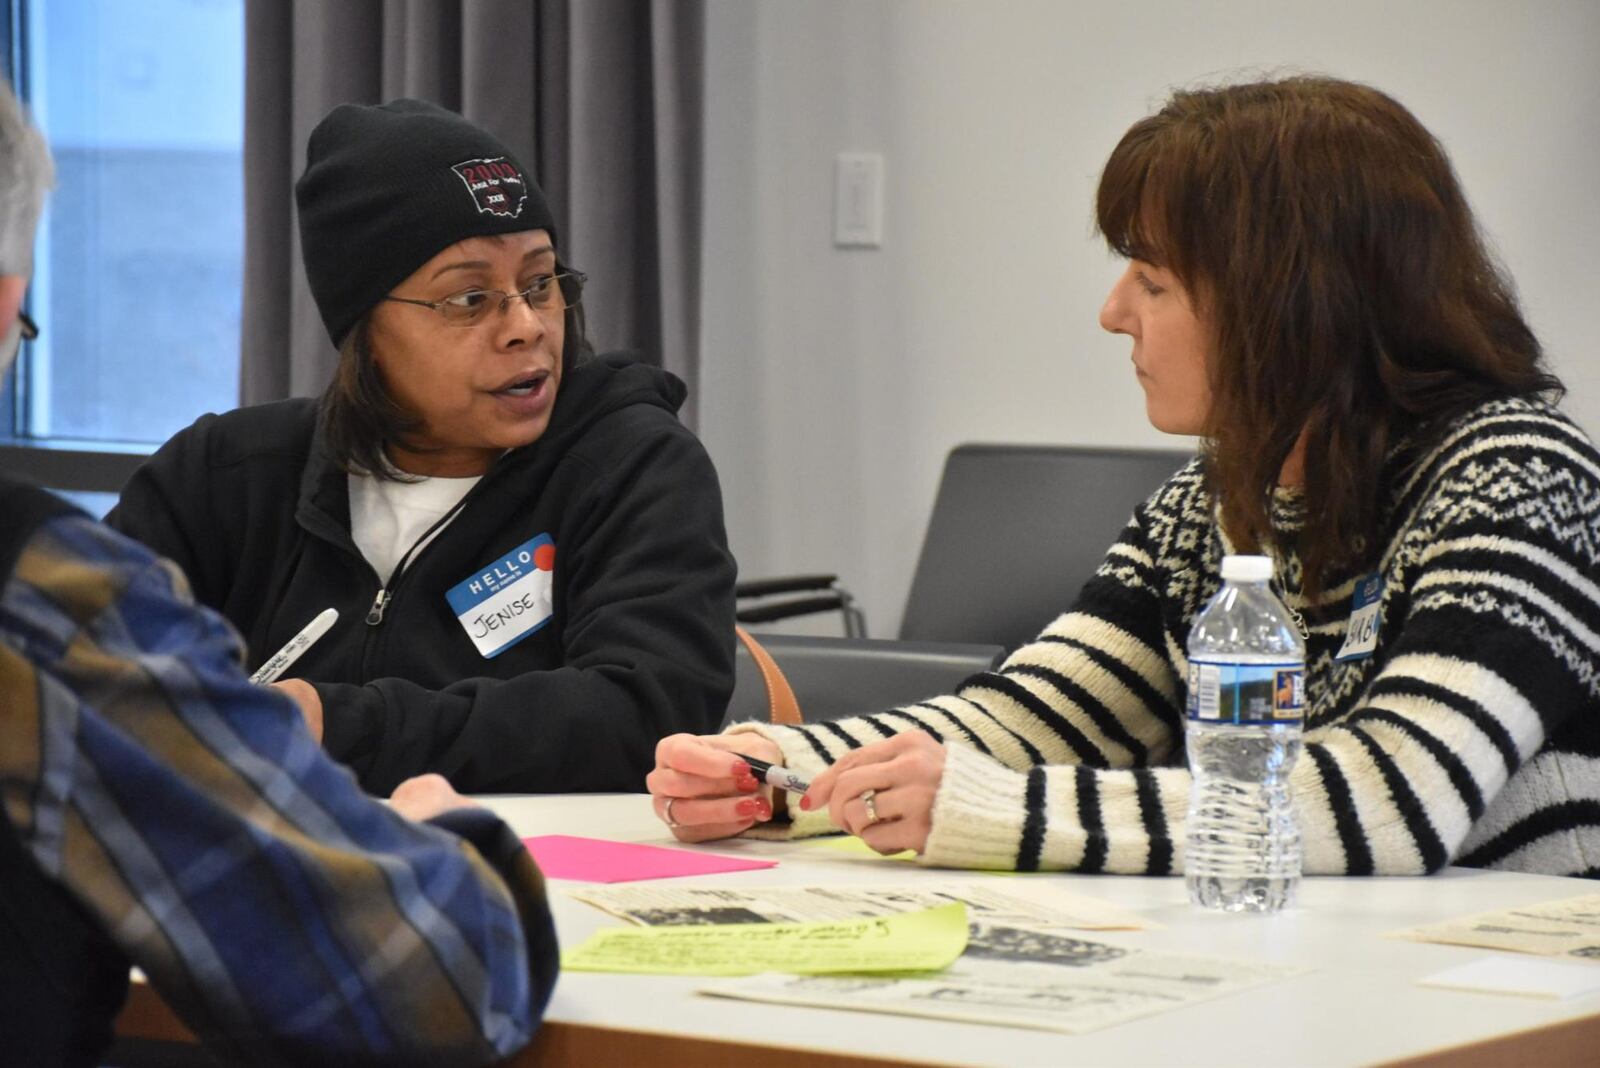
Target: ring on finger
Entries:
(666, 812)
(872, 809)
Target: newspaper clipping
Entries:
(1022, 966)
(654, 904)
(1025, 978)
(1566, 928)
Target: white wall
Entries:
(836, 379)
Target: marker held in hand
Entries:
(275, 667)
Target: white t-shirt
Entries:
(387, 517)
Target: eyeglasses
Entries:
(471, 305)
(30, 329)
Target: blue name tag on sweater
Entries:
(1361, 633)
(509, 599)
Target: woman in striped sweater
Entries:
(1308, 292)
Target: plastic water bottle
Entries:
(1246, 706)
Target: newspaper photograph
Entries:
(1031, 978)
(1042, 907)
(1569, 927)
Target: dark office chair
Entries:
(1016, 531)
(833, 677)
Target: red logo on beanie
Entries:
(496, 185)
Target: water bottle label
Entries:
(1247, 693)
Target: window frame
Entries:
(55, 463)
(65, 466)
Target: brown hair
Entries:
(360, 417)
(1324, 236)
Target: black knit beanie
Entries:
(386, 188)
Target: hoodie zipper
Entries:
(385, 594)
(375, 613)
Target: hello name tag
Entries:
(509, 599)
(1361, 633)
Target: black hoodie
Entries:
(640, 643)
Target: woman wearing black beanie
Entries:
(524, 545)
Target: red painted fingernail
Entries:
(741, 770)
(763, 809)
(748, 785)
(805, 802)
(749, 806)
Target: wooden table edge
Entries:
(147, 1017)
(1570, 1042)
(559, 1043)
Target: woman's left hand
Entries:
(899, 776)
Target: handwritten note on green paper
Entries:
(908, 941)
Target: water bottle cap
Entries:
(1246, 568)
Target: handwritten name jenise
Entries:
(486, 622)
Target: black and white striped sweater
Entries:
(1471, 735)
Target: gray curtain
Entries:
(601, 99)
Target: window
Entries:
(137, 267)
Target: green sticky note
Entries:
(909, 941)
(853, 846)
(849, 843)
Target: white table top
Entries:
(1359, 1006)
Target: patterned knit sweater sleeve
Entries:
(1468, 735)
(1098, 689)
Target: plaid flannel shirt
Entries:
(286, 917)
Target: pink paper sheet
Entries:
(596, 860)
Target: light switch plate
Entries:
(858, 200)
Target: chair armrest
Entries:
(776, 610)
(835, 677)
(784, 584)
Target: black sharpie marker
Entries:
(772, 775)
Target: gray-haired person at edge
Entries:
(1307, 291)
(161, 811)
(525, 545)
